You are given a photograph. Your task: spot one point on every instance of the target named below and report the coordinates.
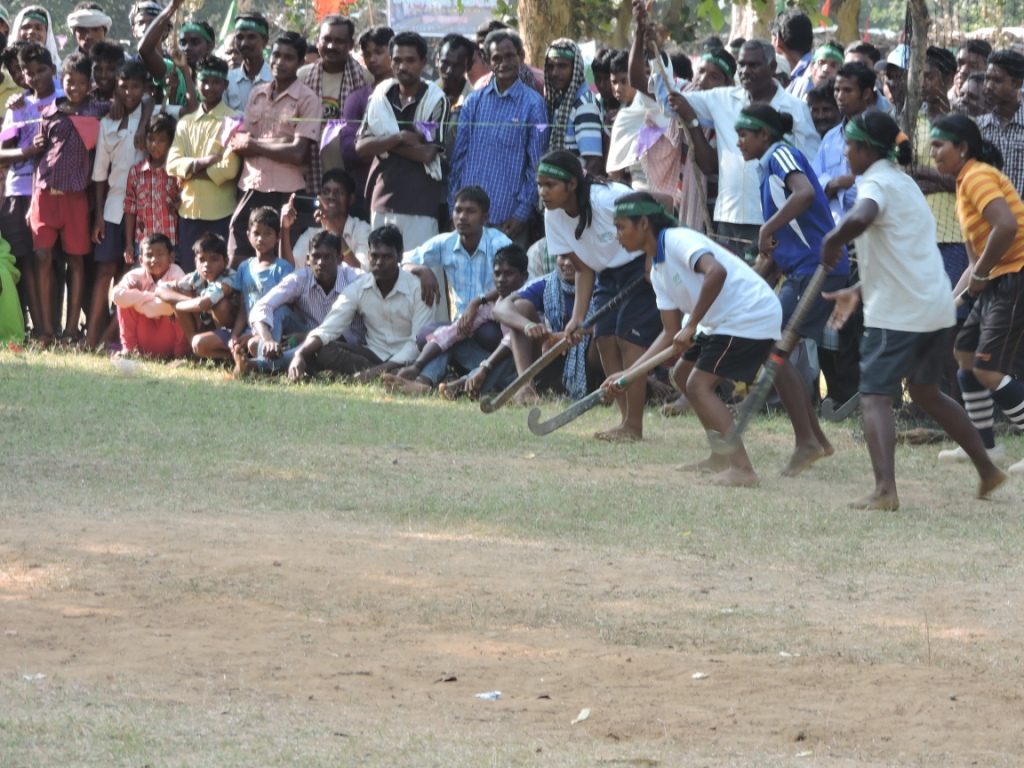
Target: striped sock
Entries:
(978, 403)
(1009, 396)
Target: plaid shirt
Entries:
(498, 146)
(65, 166)
(152, 197)
(353, 77)
(1009, 138)
(468, 274)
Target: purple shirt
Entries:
(66, 166)
(352, 113)
(19, 175)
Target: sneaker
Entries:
(959, 454)
(1017, 469)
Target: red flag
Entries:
(826, 10)
(867, 27)
(88, 130)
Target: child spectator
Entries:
(115, 156)
(60, 207)
(151, 196)
(9, 87)
(21, 124)
(204, 300)
(106, 57)
(197, 158)
(257, 275)
(148, 324)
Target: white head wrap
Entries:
(88, 18)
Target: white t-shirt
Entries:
(746, 307)
(597, 248)
(903, 282)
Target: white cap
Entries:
(899, 56)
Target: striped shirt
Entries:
(584, 133)
(1009, 138)
(977, 185)
(498, 146)
(302, 292)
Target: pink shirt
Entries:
(296, 111)
(137, 290)
(447, 336)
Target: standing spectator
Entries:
(573, 114)
(199, 160)
(89, 25)
(34, 24)
(453, 59)
(793, 38)
(824, 110)
(738, 207)
(971, 59)
(499, 143)
(333, 78)
(402, 132)
(151, 196)
(375, 44)
(1004, 125)
(252, 31)
(282, 123)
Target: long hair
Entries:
(569, 163)
(969, 133)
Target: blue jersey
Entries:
(798, 252)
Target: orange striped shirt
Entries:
(977, 185)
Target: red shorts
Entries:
(60, 213)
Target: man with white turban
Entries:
(89, 25)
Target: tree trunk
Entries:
(540, 22)
(920, 21)
(752, 20)
(621, 38)
(848, 21)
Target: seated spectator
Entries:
(257, 276)
(455, 342)
(463, 257)
(333, 204)
(535, 317)
(148, 324)
(204, 301)
(390, 303)
(300, 302)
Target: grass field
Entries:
(198, 571)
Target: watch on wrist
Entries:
(695, 123)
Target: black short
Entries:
(730, 357)
(887, 357)
(994, 330)
(638, 320)
(14, 226)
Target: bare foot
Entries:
(619, 434)
(875, 501)
(677, 407)
(242, 367)
(396, 384)
(365, 377)
(712, 464)
(527, 396)
(802, 458)
(734, 477)
(452, 390)
(988, 484)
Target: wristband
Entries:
(486, 365)
(482, 298)
(529, 326)
(979, 278)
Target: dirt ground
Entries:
(272, 641)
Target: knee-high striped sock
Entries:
(1009, 396)
(978, 403)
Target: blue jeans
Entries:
(469, 354)
(285, 323)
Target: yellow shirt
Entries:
(8, 89)
(198, 135)
(977, 185)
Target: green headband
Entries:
(36, 16)
(828, 52)
(204, 74)
(198, 29)
(241, 25)
(751, 123)
(722, 64)
(941, 135)
(855, 133)
(555, 172)
(632, 208)
(561, 53)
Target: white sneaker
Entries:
(959, 454)
(1017, 469)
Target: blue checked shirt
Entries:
(498, 146)
(468, 274)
